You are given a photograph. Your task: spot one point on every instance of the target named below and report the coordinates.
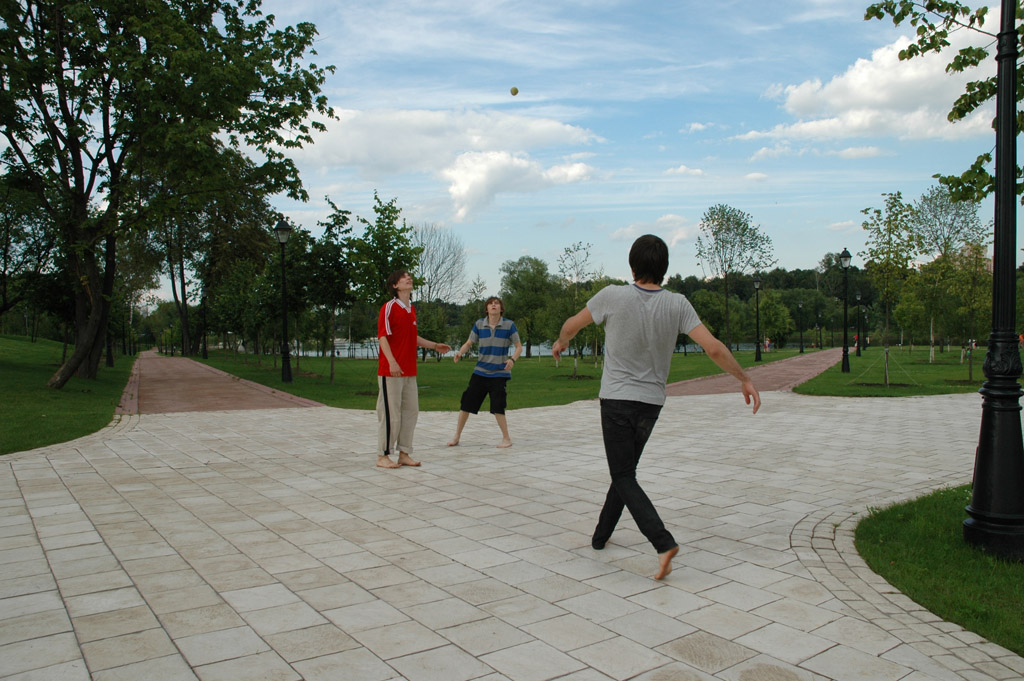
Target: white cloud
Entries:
(696, 127)
(781, 149)
(757, 177)
(386, 142)
(476, 177)
(882, 96)
(684, 170)
(674, 229)
(859, 152)
(844, 226)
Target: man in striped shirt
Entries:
(493, 370)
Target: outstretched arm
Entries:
(463, 350)
(572, 326)
(431, 345)
(721, 356)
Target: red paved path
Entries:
(780, 375)
(162, 385)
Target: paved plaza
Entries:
(264, 544)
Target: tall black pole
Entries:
(846, 322)
(202, 320)
(286, 363)
(996, 511)
(860, 334)
(757, 323)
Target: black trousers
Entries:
(626, 427)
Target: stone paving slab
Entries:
(266, 545)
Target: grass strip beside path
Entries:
(35, 415)
(918, 547)
(910, 374)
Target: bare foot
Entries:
(385, 462)
(405, 460)
(665, 562)
(505, 444)
(453, 442)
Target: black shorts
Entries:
(479, 388)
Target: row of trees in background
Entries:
(147, 142)
(924, 272)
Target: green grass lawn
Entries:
(910, 373)
(536, 381)
(34, 415)
(918, 547)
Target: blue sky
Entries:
(631, 118)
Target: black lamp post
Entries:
(860, 313)
(757, 318)
(819, 331)
(996, 511)
(283, 230)
(844, 261)
(800, 323)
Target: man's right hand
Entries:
(395, 369)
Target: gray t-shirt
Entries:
(641, 328)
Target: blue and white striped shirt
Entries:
(494, 346)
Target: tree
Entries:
(944, 225)
(934, 21)
(96, 96)
(911, 312)
(891, 245)
(729, 244)
(386, 245)
(574, 274)
(330, 268)
(26, 244)
(526, 288)
(776, 321)
(970, 287)
(441, 274)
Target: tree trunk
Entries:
(931, 334)
(331, 342)
(728, 329)
(186, 336)
(92, 309)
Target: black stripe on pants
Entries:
(387, 415)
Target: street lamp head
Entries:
(845, 258)
(757, 282)
(858, 296)
(282, 231)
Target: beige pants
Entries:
(398, 407)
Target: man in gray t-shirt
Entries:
(642, 322)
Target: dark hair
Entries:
(393, 280)
(491, 300)
(648, 258)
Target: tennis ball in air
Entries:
(514, 91)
